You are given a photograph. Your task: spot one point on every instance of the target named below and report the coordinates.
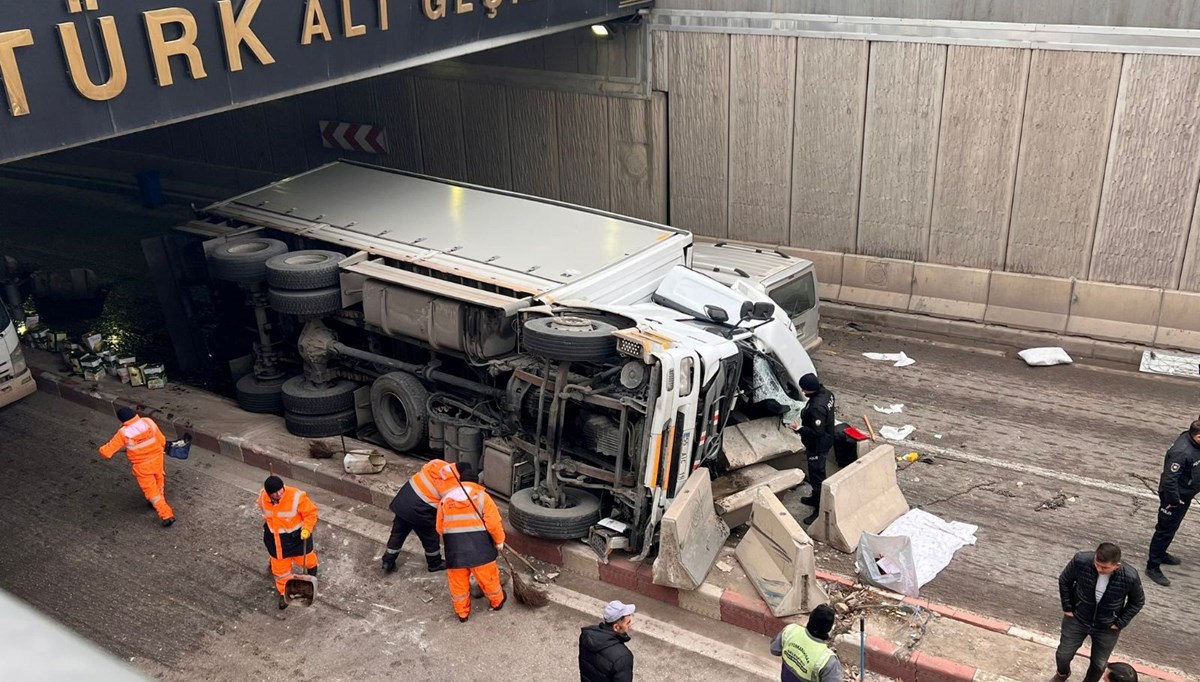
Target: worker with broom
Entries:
(143, 443)
(471, 530)
(289, 517)
(415, 507)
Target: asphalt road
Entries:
(195, 601)
(1013, 437)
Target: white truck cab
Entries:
(789, 281)
(16, 381)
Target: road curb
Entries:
(726, 605)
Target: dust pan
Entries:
(301, 588)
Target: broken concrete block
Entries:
(690, 535)
(863, 496)
(777, 556)
(758, 441)
(735, 492)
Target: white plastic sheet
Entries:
(887, 562)
(897, 433)
(1174, 364)
(890, 409)
(1045, 357)
(899, 359)
(934, 540)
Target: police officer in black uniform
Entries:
(1179, 483)
(816, 432)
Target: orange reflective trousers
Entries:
(153, 487)
(488, 577)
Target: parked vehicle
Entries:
(16, 380)
(572, 353)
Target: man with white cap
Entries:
(603, 656)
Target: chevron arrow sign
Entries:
(354, 137)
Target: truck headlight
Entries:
(18, 362)
(686, 369)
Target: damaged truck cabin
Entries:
(571, 354)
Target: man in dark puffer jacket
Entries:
(603, 656)
(1100, 597)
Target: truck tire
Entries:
(304, 270)
(320, 425)
(399, 405)
(244, 260)
(567, 523)
(570, 338)
(260, 396)
(312, 302)
(300, 396)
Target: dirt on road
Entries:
(1006, 440)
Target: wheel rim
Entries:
(396, 414)
(572, 324)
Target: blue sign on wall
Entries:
(75, 71)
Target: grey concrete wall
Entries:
(1152, 13)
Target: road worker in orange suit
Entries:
(143, 443)
(415, 507)
(288, 521)
(473, 534)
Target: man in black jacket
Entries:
(603, 656)
(816, 432)
(1100, 596)
(1178, 485)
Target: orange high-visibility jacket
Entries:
(283, 521)
(143, 443)
(470, 541)
(418, 499)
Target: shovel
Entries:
(303, 587)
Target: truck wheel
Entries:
(304, 270)
(320, 425)
(568, 523)
(398, 403)
(313, 302)
(244, 260)
(258, 395)
(300, 396)
(570, 338)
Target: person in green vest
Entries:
(807, 656)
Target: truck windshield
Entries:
(797, 296)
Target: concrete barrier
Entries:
(1178, 323)
(735, 492)
(757, 441)
(950, 292)
(863, 496)
(1028, 301)
(876, 282)
(1114, 312)
(778, 558)
(690, 536)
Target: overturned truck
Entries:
(573, 355)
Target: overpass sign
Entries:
(76, 71)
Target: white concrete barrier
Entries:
(863, 496)
(690, 536)
(777, 556)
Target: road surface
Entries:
(1013, 437)
(195, 602)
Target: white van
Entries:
(16, 381)
(789, 281)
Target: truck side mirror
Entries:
(716, 313)
(763, 311)
(747, 310)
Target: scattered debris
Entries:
(894, 433)
(1150, 483)
(1137, 506)
(1058, 501)
(319, 449)
(899, 359)
(724, 566)
(1173, 364)
(937, 436)
(1045, 357)
(855, 326)
(890, 409)
(1020, 483)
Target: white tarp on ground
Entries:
(1174, 364)
(934, 540)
